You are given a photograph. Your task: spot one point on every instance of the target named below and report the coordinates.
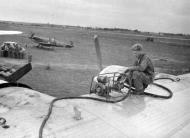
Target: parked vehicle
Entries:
(12, 50)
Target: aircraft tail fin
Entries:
(31, 35)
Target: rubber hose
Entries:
(102, 100)
(89, 98)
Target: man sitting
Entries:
(142, 72)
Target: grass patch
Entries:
(58, 80)
(48, 67)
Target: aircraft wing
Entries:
(56, 45)
(46, 44)
(137, 116)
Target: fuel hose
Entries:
(130, 89)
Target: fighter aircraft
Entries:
(48, 42)
(28, 113)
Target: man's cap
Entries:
(137, 47)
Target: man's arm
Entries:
(141, 67)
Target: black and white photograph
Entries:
(94, 68)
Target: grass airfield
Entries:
(68, 72)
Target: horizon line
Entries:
(100, 28)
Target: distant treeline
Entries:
(95, 28)
(120, 30)
(128, 30)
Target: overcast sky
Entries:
(147, 15)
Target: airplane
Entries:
(25, 112)
(49, 42)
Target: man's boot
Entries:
(138, 92)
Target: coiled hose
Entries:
(105, 100)
(158, 85)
